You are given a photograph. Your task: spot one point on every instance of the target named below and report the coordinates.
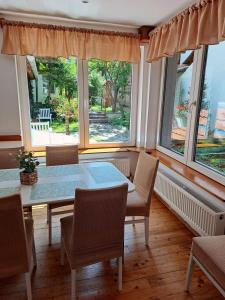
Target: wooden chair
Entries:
(59, 155)
(138, 202)
(8, 161)
(7, 157)
(209, 254)
(17, 250)
(96, 231)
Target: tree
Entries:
(95, 83)
(60, 73)
(116, 72)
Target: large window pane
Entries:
(210, 144)
(176, 100)
(109, 101)
(53, 97)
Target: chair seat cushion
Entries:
(136, 205)
(210, 252)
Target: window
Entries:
(210, 141)
(109, 86)
(53, 97)
(90, 103)
(193, 110)
(176, 102)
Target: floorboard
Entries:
(153, 273)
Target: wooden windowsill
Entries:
(206, 183)
(99, 150)
(110, 150)
(10, 138)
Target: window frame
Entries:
(23, 93)
(162, 149)
(133, 119)
(209, 172)
(181, 158)
(83, 111)
(200, 59)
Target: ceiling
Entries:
(128, 12)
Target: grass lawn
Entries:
(59, 126)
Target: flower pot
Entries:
(28, 178)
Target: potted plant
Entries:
(28, 163)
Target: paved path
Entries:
(98, 133)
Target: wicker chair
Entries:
(138, 202)
(208, 253)
(8, 161)
(59, 155)
(17, 250)
(96, 231)
(7, 157)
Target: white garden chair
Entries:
(44, 114)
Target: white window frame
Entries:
(209, 172)
(23, 93)
(83, 115)
(181, 158)
(188, 157)
(133, 115)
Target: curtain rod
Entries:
(4, 22)
(64, 19)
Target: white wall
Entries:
(9, 105)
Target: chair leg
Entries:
(62, 252)
(49, 227)
(28, 285)
(133, 219)
(190, 270)
(146, 231)
(34, 254)
(47, 213)
(73, 284)
(30, 213)
(120, 270)
(123, 254)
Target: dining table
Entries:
(58, 183)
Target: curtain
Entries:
(20, 38)
(200, 24)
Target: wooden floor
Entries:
(154, 273)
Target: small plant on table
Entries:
(28, 163)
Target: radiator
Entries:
(199, 209)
